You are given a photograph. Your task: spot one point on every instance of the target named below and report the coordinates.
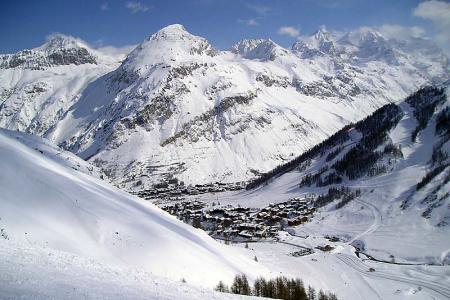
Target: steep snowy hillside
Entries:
(47, 204)
(176, 107)
(395, 167)
(49, 150)
(38, 86)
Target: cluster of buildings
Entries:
(240, 223)
(174, 188)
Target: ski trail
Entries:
(376, 220)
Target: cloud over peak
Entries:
(437, 12)
(136, 7)
(289, 30)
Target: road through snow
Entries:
(357, 265)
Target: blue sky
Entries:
(25, 24)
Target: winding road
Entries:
(354, 263)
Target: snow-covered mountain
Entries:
(48, 204)
(38, 86)
(177, 107)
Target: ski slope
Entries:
(49, 204)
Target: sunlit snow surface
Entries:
(33, 272)
(48, 204)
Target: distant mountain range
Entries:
(176, 107)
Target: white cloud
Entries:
(261, 12)
(401, 32)
(289, 30)
(104, 6)
(136, 7)
(260, 9)
(437, 12)
(249, 22)
(116, 51)
(252, 22)
(66, 37)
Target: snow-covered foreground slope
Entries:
(177, 107)
(49, 204)
(33, 272)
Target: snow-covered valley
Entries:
(398, 227)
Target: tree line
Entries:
(278, 288)
(424, 103)
(343, 193)
(374, 129)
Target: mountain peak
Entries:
(170, 44)
(264, 49)
(365, 35)
(173, 31)
(59, 41)
(174, 28)
(59, 49)
(320, 43)
(322, 34)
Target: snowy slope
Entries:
(31, 272)
(45, 203)
(177, 107)
(56, 154)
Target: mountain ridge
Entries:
(182, 106)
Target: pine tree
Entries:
(221, 287)
(246, 290)
(196, 223)
(321, 296)
(311, 293)
(258, 287)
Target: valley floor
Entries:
(418, 271)
(348, 276)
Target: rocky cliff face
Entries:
(177, 107)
